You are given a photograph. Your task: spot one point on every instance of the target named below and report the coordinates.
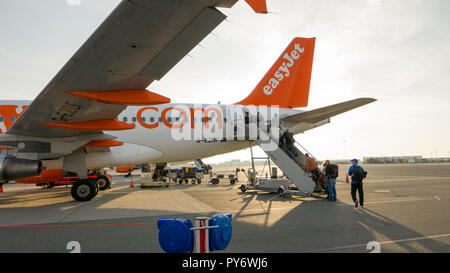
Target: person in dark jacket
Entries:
(332, 172)
(357, 174)
(287, 142)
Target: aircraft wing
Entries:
(138, 43)
(324, 113)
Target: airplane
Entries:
(96, 112)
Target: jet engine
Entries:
(12, 168)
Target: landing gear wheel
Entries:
(84, 190)
(186, 181)
(215, 181)
(281, 192)
(243, 188)
(232, 181)
(199, 181)
(103, 182)
(193, 181)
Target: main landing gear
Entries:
(103, 182)
(87, 189)
(84, 189)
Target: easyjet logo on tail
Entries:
(283, 71)
(287, 82)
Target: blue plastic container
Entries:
(220, 238)
(175, 235)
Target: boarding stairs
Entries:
(291, 161)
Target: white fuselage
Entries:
(161, 137)
(154, 141)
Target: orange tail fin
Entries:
(287, 82)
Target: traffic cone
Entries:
(131, 182)
(347, 180)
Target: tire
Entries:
(193, 181)
(84, 190)
(186, 181)
(199, 181)
(281, 192)
(232, 181)
(180, 181)
(243, 188)
(215, 181)
(103, 182)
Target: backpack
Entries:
(358, 174)
(332, 170)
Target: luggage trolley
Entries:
(193, 173)
(232, 177)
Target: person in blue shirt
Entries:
(357, 174)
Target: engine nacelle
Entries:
(14, 168)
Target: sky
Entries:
(395, 51)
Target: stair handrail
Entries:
(282, 130)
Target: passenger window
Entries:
(143, 119)
(12, 118)
(2, 119)
(125, 119)
(134, 119)
(169, 119)
(152, 119)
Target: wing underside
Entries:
(138, 43)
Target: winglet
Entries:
(259, 6)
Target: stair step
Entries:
(293, 168)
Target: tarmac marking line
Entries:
(397, 201)
(87, 225)
(406, 179)
(395, 241)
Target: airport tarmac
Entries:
(407, 210)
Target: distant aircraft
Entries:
(96, 113)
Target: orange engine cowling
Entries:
(124, 169)
(45, 177)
